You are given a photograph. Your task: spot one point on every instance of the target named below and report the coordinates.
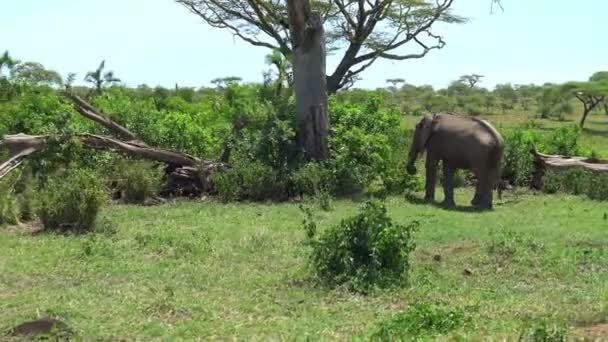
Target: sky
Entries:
(158, 42)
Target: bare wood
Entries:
(89, 112)
(20, 146)
(137, 151)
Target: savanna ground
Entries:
(208, 270)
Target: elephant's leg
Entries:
(431, 178)
(477, 196)
(486, 183)
(448, 185)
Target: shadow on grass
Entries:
(595, 132)
(411, 198)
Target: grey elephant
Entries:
(459, 142)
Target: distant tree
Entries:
(601, 76)
(590, 94)
(101, 80)
(35, 73)
(470, 80)
(7, 62)
(507, 95)
(489, 101)
(284, 70)
(7, 89)
(224, 82)
(365, 30)
(394, 82)
(67, 83)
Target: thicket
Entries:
(252, 128)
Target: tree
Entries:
(284, 70)
(310, 86)
(366, 31)
(101, 80)
(225, 82)
(507, 95)
(35, 73)
(590, 94)
(601, 76)
(7, 62)
(394, 82)
(471, 80)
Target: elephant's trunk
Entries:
(412, 156)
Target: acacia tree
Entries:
(99, 79)
(590, 94)
(394, 82)
(471, 80)
(365, 30)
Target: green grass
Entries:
(217, 271)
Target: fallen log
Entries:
(89, 112)
(544, 162)
(185, 174)
(19, 146)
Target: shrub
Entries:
(564, 141)
(312, 179)
(364, 251)
(421, 320)
(518, 163)
(577, 182)
(544, 332)
(70, 201)
(9, 210)
(249, 180)
(137, 180)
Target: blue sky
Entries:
(158, 42)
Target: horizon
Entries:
(527, 43)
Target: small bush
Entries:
(421, 320)
(508, 245)
(544, 332)
(518, 163)
(577, 182)
(137, 181)
(249, 180)
(71, 201)
(9, 209)
(364, 251)
(312, 179)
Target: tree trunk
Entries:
(310, 83)
(585, 113)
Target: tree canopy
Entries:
(365, 30)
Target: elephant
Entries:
(459, 142)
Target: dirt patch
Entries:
(440, 252)
(29, 228)
(595, 332)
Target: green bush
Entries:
(564, 141)
(364, 251)
(422, 319)
(577, 182)
(70, 201)
(249, 180)
(544, 332)
(137, 180)
(9, 208)
(518, 162)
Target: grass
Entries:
(220, 271)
